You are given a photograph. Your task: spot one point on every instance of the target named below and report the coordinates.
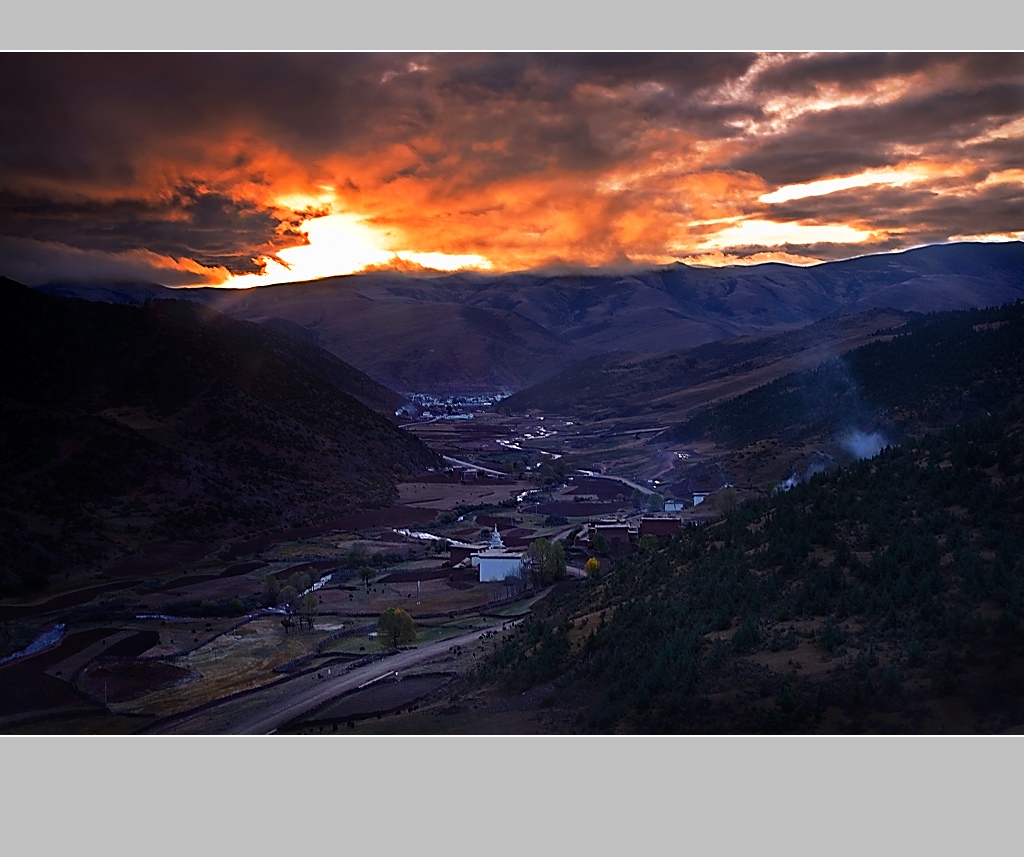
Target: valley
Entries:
(811, 529)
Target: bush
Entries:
(745, 640)
(396, 627)
(831, 635)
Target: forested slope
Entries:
(937, 370)
(886, 596)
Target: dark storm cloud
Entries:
(854, 139)
(206, 227)
(104, 105)
(984, 91)
(822, 250)
(68, 111)
(87, 116)
(553, 76)
(808, 74)
(999, 154)
(35, 262)
(189, 156)
(990, 208)
(805, 75)
(667, 88)
(915, 215)
(687, 70)
(799, 158)
(544, 109)
(928, 119)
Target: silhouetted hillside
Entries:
(123, 424)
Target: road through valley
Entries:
(262, 712)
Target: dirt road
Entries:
(263, 712)
(627, 482)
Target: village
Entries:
(214, 638)
(563, 490)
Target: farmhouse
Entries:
(616, 536)
(496, 562)
(659, 526)
(459, 553)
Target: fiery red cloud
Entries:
(213, 168)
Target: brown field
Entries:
(441, 496)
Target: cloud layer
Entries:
(207, 166)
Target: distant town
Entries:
(425, 406)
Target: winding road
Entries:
(263, 711)
(628, 482)
(479, 467)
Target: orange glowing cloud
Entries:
(259, 169)
(338, 244)
(769, 233)
(637, 212)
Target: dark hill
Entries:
(123, 424)
(285, 338)
(932, 372)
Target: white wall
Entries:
(498, 568)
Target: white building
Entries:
(496, 562)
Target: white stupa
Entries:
(496, 562)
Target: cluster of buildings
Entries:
(424, 406)
(621, 535)
(496, 562)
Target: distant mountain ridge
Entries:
(468, 332)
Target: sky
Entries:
(242, 169)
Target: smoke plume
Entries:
(862, 445)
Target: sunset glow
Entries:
(301, 166)
(767, 233)
(337, 244)
(887, 176)
(341, 244)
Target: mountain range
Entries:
(472, 332)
